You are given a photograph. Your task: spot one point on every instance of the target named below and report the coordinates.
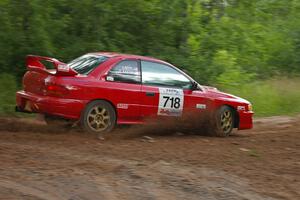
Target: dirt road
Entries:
(37, 162)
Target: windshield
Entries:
(86, 63)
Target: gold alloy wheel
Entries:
(98, 119)
(226, 121)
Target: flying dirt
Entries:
(38, 162)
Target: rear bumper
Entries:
(246, 120)
(33, 103)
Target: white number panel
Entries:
(170, 102)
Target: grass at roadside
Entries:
(271, 97)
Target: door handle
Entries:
(150, 94)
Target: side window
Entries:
(126, 71)
(163, 75)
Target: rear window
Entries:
(86, 63)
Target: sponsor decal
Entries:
(170, 102)
(122, 106)
(201, 106)
(127, 69)
(241, 108)
(110, 78)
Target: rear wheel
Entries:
(98, 117)
(224, 121)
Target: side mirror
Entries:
(195, 86)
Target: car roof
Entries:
(128, 56)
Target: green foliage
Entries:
(261, 37)
(8, 87)
(228, 73)
(224, 43)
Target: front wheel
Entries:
(98, 117)
(224, 121)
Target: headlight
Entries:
(250, 107)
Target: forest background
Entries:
(248, 48)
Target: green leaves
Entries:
(225, 43)
(219, 42)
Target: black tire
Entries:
(223, 122)
(98, 117)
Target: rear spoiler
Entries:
(62, 69)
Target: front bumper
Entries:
(245, 120)
(33, 103)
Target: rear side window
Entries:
(127, 71)
(158, 74)
(86, 63)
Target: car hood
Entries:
(217, 94)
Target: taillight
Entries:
(55, 90)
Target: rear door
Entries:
(166, 91)
(125, 79)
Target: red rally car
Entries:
(103, 89)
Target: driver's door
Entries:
(167, 92)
